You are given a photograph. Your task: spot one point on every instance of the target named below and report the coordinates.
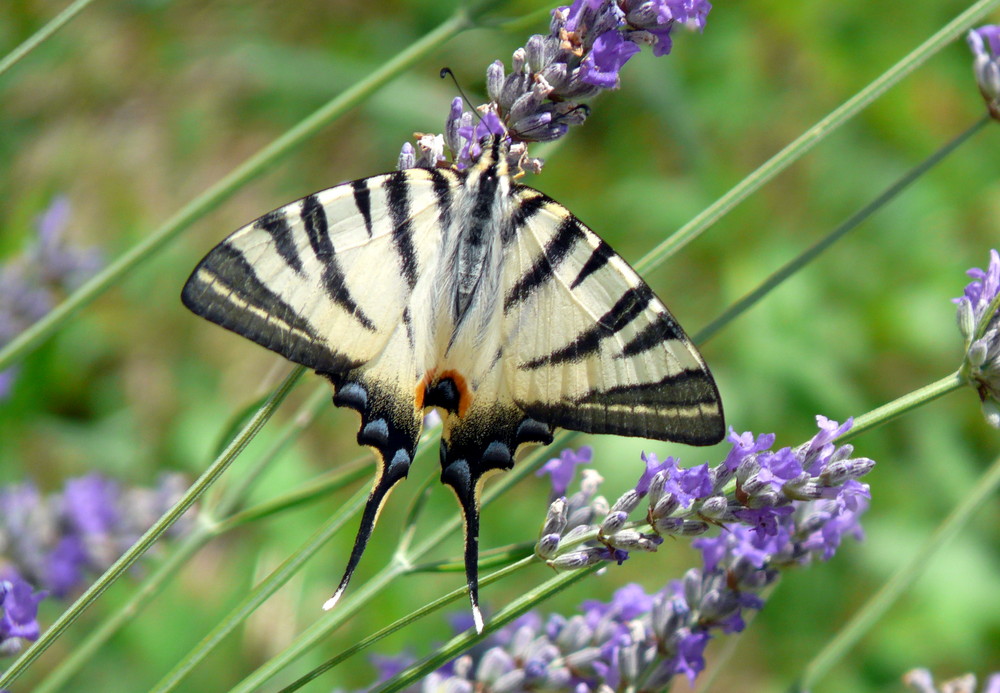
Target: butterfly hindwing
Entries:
(610, 357)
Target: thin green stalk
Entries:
(50, 27)
(898, 407)
(852, 222)
(462, 642)
(794, 151)
(250, 430)
(79, 656)
(259, 594)
(412, 617)
(903, 579)
(214, 196)
(236, 493)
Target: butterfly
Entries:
(467, 292)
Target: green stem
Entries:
(259, 595)
(109, 577)
(901, 405)
(903, 579)
(51, 27)
(80, 655)
(794, 151)
(462, 642)
(214, 196)
(412, 617)
(852, 222)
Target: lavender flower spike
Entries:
(985, 45)
(979, 324)
(588, 44)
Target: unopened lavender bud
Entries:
(991, 412)
(580, 516)
(407, 157)
(517, 61)
(495, 663)
(614, 522)
(578, 532)
(717, 605)
(716, 508)
(966, 318)
(582, 657)
(666, 505)
(513, 681)
(627, 502)
(575, 560)
(547, 546)
(631, 540)
(978, 352)
(656, 485)
(555, 519)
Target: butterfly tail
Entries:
(466, 485)
(390, 428)
(391, 474)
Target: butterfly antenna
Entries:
(390, 475)
(446, 72)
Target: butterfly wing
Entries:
(329, 282)
(590, 346)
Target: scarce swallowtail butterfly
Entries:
(466, 292)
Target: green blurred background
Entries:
(137, 107)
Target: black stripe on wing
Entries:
(682, 407)
(543, 268)
(631, 304)
(334, 281)
(397, 190)
(276, 225)
(225, 289)
(363, 201)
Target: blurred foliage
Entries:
(134, 108)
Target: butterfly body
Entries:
(470, 293)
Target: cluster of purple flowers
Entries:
(754, 487)
(57, 542)
(979, 323)
(985, 45)
(776, 510)
(30, 283)
(922, 681)
(540, 98)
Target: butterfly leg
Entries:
(392, 432)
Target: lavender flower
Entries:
(756, 490)
(641, 641)
(59, 541)
(985, 45)
(19, 602)
(922, 681)
(30, 283)
(979, 325)
(588, 44)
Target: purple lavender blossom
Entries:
(644, 641)
(31, 283)
(562, 469)
(978, 322)
(61, 540)
(588, 44)
(812, 487)
(19, 620)
(985, 45)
